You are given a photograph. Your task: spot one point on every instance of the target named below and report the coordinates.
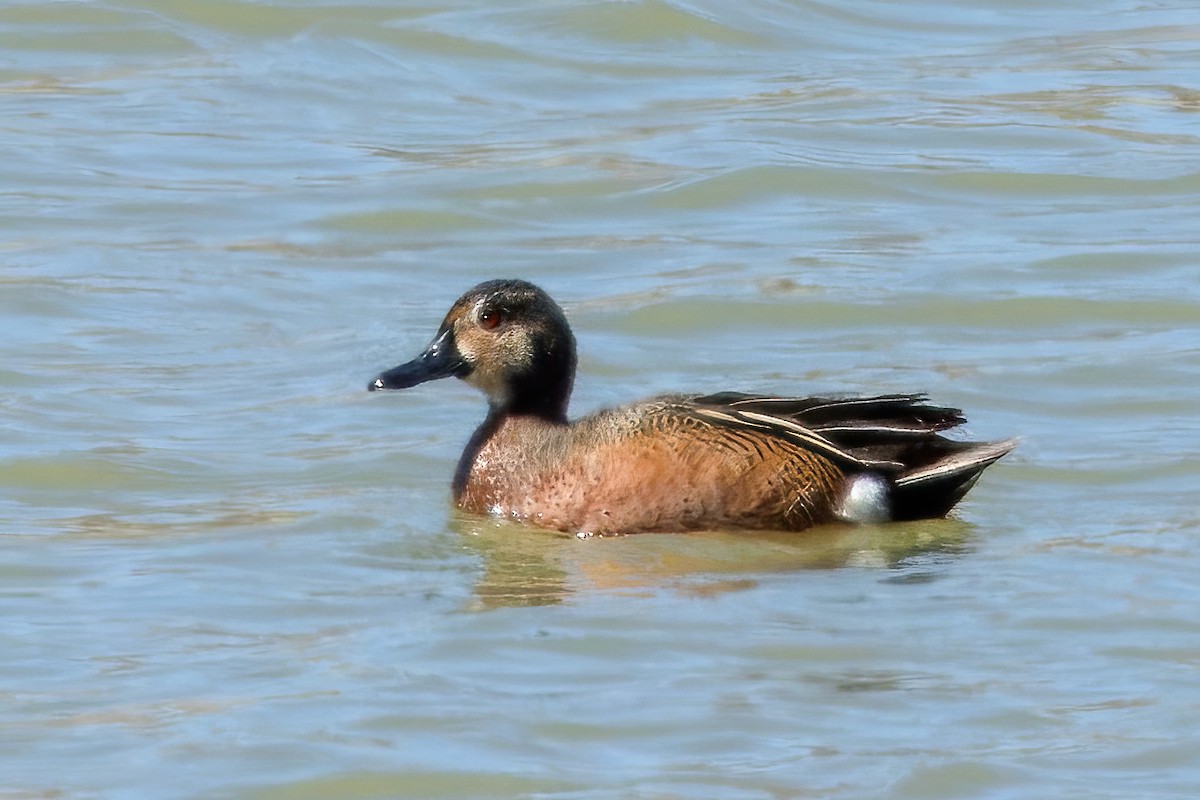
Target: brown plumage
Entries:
(677, 462)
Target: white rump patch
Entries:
(868, 499)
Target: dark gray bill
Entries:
(440, 360)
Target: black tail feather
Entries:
(933, 489)
(896, 436)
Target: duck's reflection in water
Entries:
(526, 567)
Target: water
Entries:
(226, 571)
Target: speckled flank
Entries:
(668, 471)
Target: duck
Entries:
(676, 462)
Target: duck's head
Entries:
(508, 339)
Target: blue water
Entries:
(227, 571)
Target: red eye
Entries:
(490, 319)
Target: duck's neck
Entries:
(545, 392)
(542, 395)
(544, 402)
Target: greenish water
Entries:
(226, 571)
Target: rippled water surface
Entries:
(227, 571)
